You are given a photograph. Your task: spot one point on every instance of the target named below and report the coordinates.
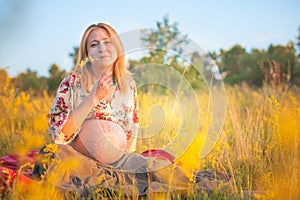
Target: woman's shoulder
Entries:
(131, 82)
(131, 85)
(73, 78)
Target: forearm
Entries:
(77, 116)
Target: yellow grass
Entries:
(259, 145)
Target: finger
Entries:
(107, 80)
(109, 83)
(100, 83)
(107, 75)
(104, 80)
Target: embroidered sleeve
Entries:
(60, 111)
(133, 121)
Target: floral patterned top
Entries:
(123, 109)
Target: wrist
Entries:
(92, 100)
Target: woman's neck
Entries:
(99, 71)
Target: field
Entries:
(259, 144)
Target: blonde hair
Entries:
(120, 71)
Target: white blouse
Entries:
(122, 110)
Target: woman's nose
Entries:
(101, 48)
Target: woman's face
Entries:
(101, 48)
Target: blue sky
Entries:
(36, 33)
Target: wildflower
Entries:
(86, 60)
(51, 148)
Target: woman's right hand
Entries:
(103, 88)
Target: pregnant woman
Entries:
(94, 120)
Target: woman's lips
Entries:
(106, 56)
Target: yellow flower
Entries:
(86, 60)
(52, 148)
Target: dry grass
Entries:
(259, 146)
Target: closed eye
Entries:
(94, 44)
(106, 42)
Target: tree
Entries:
(286, 59)
(232, 63)
(74, 55)
(232, 59)
(30, 81)
(165, 47)
(298, 42)
(252, 68)
(56, 75)
(166, 37)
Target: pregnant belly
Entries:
(101, 140)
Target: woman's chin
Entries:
(101, 140)
(104, 62)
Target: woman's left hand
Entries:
(104, 88)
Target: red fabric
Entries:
(10, 164)
(8, 176)
(159, 154)
(15, 160)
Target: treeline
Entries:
(31, 82)
(277, 65)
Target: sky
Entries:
(37, 33)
